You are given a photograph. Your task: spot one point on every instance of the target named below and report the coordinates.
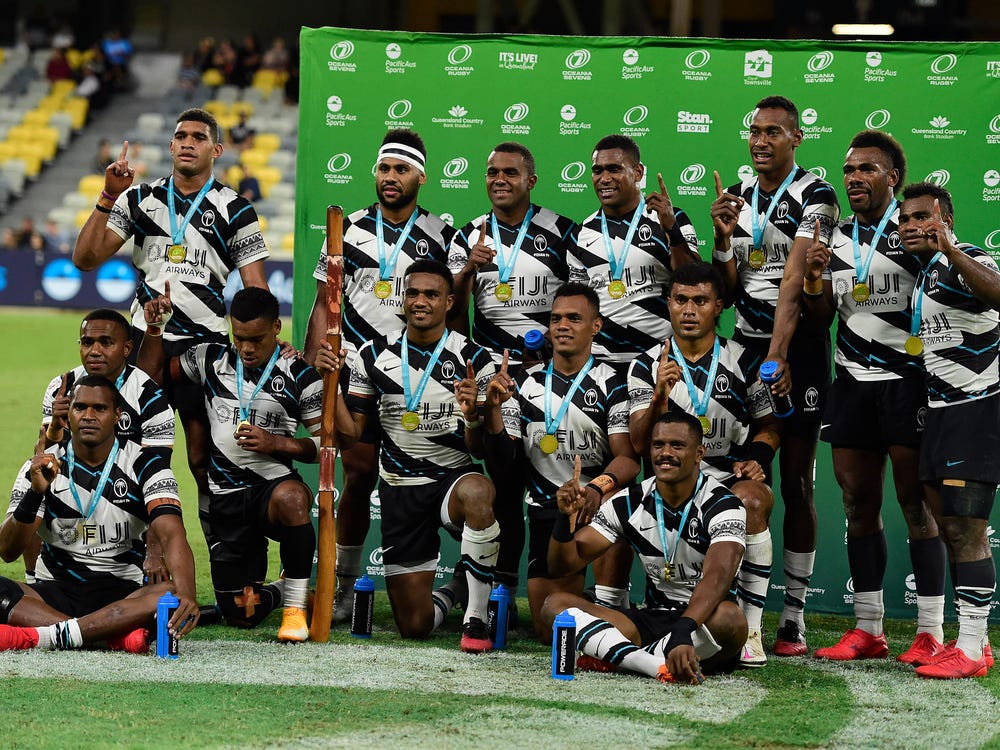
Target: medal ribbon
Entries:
(177, 233)
(413, 401)
(618, 263)
(861, 270)
(95, 496)
(669, 554)
(758, 228)
(700, 406)
(387, 266)
(918, 296)
(245, 410)
(552, 424)
(506, 265)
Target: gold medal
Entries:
(549, 443)
(410, 420)
(914, 346)
(706, 424)
(503, 292)
(176, 253)
(383, 288)
(756, 258)
(861, 292)
(668, 571)
(243, 423)
(617, 289)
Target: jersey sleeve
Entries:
(577, 269)
(641, 383)
(21, 486)
(686, 226)
(362, 384)
(194, 362)
(310, 394)
(120, 219)
(727, 521)
(618, 405)
(159, 485)
(246, 245)
(157, 417)
(608, 520)
(319, 273)
(820, 204)
(458, 250)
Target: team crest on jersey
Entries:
(722, 383)
(932, 278)
(694, 528)
(840, 287)
(590, 397)
(125, 421)
(422, 248)
(277, 384)
(782, 211)
(208, 218)
(645, 232)
(812, 397)
(921, 416)
(541, 244)
(224, 413)
(120, 487)
(893, 240)
(448, 370)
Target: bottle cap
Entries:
(768, 369)
(364, 584)
(534, 340)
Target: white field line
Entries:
(427, 670)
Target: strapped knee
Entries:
(967, 499)
(10, 594)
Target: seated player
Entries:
(255, 400)
(91, 499)
(689, 533)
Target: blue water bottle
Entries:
(166, 643)
(364, 607)
(496, 615)
(563, 646)
(534, 348)
(782, 406)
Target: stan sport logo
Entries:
(340, 57)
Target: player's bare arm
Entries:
(96, 243)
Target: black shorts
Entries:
(962, 441)
(412, 515)
(809, 357)
(79, 598)
(238, 529)
(540, 523)
(654, 622)
(874, 414)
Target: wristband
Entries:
(595, 487)
(102, 209)
(809, 290)
(604, 483)
(474, 423)
(27, 510)
(108, 196)
(723, 256)
(680, 633)
(676, 236)
(561, 531)
(760, 452)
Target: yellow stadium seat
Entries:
(237, 107)
(217, 108)
(32, 162)
(50, 104)
(265, 80)
(91, 184)
(267, 141)
(75, 58)
(233, 176)
(212, 77)
(63, 88)
(263, 223)
(37, 117)
(255, 158)
(45, 151)
(267, 177)
(288, 242)
(77, 107)
(81, 217)
(227, 121)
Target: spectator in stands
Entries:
(24, 232)
(241, 135)
(248, 60)
(8, 240)
(117, 53)
(55, 237)
(292, 83)
(103, 157)
(204, 53)
(63, 38)
(188, 77)
(224, 60)
(276, 57)
(249, 187)
(58, 67)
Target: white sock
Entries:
(753, 577)
(479, 555)
(611, 596)
(798, 571)
(972, 624)
(602, 640)
(296, 592)
(62, 636)
(930, 616)
(869, 610)
(349, 561)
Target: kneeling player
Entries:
(689, 532)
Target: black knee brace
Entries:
(10, 594)
(968, 500)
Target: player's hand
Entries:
(480, 255)
(659, 201)
(287, 350)
(60, 413)
(783, 385)
(327, 360)
(467, 393)
(44, 468)
(682, 663)
(938, 232)
(668, 374)
(154, 567)
(592, 499)
(501, 387)
(158, 310)
(252, 438)
(569, 497)
(748, 470)
(817, 257)
(119, 175)
(725, 210)
(185, 617)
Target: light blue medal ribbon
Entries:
(700, 405)
(549, 440)
(177, 233)
(412, 400)
(914, 345)
(95, 496)
(120, 380)
(669, 554)
(861, 289)
(756, 224)
(387, 266)
(617, 263)
(245, 409)
(506, 265)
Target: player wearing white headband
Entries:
(380, 242)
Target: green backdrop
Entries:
(687, 103)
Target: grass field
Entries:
(238, 689)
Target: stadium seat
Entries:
(149, 125)
(15, 172)
(283, 160)
(216, 107)
(212, 77)
(227, 93)
(281, 224)
(254, 158)
(268, 177)
(77, 107)
(37, 117)
(267, 141)
(91, 184)
(288, 242)
(77, 200)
